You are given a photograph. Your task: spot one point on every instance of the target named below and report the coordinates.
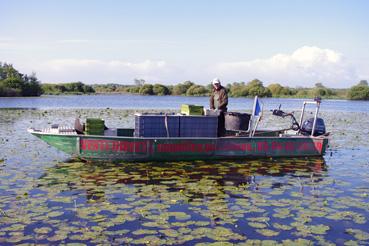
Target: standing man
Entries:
(219, 96)
(219, 101)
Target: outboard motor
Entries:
(307, 127)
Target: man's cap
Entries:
(216, 81)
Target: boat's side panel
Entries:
(65, 143)
(192, 149)
(270, 147)
(116, 148)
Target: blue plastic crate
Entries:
(153, 125)
(198, 126)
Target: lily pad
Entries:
(43, 230)
(358, 234)
(267, 232)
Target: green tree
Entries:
(134, 89)
(32, 87)
(181, 88)
(321, 91)
(359, 92)
(238, 89)
(302, 93)
(160, 90)
(14, 83)
(256, 88)
(67, 88)
(146, 89)
(197, 90)
(88, 89)
(276, 90)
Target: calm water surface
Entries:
(166, 102)
(48, 198)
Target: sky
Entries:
(294, 43)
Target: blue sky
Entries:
(295, 43)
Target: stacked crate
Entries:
(156, 125)
(188, 109)
(198, 126)
(95, 126)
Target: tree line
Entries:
(76, 88)
(239, 89)
(14, 83)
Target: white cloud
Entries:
(99, 71)
(304, 67)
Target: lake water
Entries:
(167, 102)
(48, 198)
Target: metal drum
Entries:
(235, 121)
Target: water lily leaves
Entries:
(348, 215)
(257, 225)
(201, 223)
(282, 227)
(215, 244)
(177, 202)
(149, 240)
(55, 214)
(58, 237)
(351, 243)
(182, 224)
(201, 232)
(267, 232)
(358, 234)
(144, 232)
(318, 229)
(179, 215)
(300, 242)
(218, 234)
(304, 229)
(43, 230)
(276, 192)
(282, 213)
(169, 232)
(155, 224)
(14, 227)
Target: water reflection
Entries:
(289, 200)
(205, 200)
(177, 176)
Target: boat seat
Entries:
(78, 126)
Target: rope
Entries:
(166, 124)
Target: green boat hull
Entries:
(169, 149)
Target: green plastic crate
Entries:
(94, 126)
(94, 121)
(94, 132)
(188, 109)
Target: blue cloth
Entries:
(257, 107)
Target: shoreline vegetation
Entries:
(15, 84)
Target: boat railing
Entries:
(316, 102)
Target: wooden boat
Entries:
(259, 144)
